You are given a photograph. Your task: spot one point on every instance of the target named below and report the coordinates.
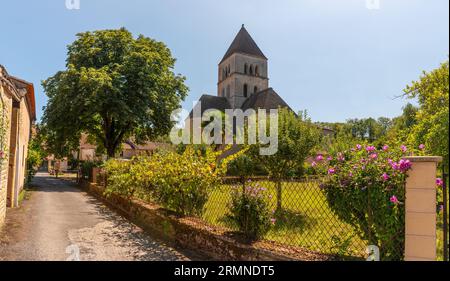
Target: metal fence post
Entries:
(445, 214)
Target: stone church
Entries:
(243, 79)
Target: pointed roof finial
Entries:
(243, 43)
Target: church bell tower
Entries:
(243, 70)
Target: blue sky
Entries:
(335, 58)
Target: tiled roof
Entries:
(243, 43)
(212, 102)
(266, 99)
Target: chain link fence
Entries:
(305, 219)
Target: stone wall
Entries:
(24, 138)
(196, 235)
(4, 117)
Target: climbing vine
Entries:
(4, 124)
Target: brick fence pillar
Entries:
(95, 174)
(420, 216)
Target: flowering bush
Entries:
(365, 187)
(249, 210)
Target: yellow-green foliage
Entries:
(180, 182)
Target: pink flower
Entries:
(390, 161)
(358, 146)
(319, 158)
(273, 220)
(386, 147)
(439, 182)
(370, 148)
(313, 164)
(331, 171)
(385, 176)
(422, 146)
(404, 148)
(341, 157)
(350, 174)
(373, 156)
(394, 200)
(329, 158)
(402, 166)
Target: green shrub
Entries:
(119, 179)
(34, 160)
(178, 181)
(182, 182)
(86, 168)
(365, 187)
(250, 212)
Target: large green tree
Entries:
(297, 136)
(432, 119)
(114, 86)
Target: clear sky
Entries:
(335, 58)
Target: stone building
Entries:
(17, 114)
(243, 82)
(243, 79)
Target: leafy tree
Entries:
(114, 87)
(369, 128)
(402, 124)
(297, 136)
(431, 129)
(35, 156)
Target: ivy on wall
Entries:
(4, 126)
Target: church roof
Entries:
(212, 102)
(243, 43)
(266, 99)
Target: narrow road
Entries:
(60, 222)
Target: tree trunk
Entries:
(111, 151)
(279, 195)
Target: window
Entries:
(223, 92)
(245, 69)
(251, 69)
(245, 90)
(255, 90)
(228, 91)
(256, 71)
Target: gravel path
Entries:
(60, 222)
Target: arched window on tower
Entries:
(224, 74)
(255, 90)
(245, 69)
(256, 71)
(228, 91)
(223, 92)
(251, 69)
(245, 90)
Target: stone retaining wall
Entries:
(194, 234)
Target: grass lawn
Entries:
(307, 220)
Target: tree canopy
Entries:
(297, 136)
(114, 87)
(432, 92)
